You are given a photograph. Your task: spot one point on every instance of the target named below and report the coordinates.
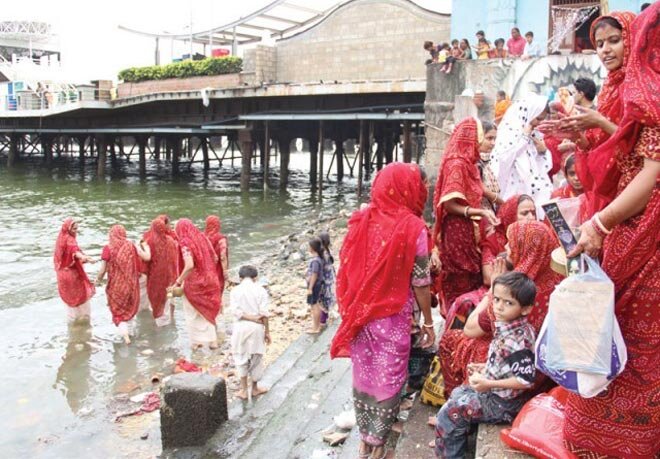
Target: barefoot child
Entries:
(315, 283)
(496, 389)
(328, 290)
(250, 336)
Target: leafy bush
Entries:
(185, 69)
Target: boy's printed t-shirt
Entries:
(511, 353)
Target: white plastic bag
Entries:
(580, 345)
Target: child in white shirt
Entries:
(249, 301)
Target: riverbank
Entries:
(282, 269)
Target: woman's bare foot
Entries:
(406, 404)
(256, 390)
(364, 451)
(242, 394)
(127, 339)
(213, 345)
(313, 331)
(397, 427)
(432, 421)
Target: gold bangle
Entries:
(465, 211)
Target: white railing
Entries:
(51, 96)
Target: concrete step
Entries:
(283, 377)
(416, 435)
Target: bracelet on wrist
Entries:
(599, 222)
(597, 228)
(428, 325)
(465, 211)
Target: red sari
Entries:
(493, 243)
(123, 289)
(219, 244)
(593, 167)
(201, 287)
(624, 421)
(72, 282)
(531, 245)
(162, 269)
(456, 237)
(378, 253)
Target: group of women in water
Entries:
(491, 183)
(165, 263)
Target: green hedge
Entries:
(185, 69)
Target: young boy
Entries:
(496, 390)
(249, 301)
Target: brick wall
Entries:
(363, 40)
(232, 80)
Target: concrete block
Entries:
(193, 408)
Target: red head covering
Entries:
(493, 243)
(378, 253)
(123, 289)
(162, 269)
(201, 287)
(597, 173)
(531, 245)
(458, 176)
(72, 281)
(212, 232)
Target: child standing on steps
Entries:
(315, 283)
(328, 290)
(250, 336)
(497, 389)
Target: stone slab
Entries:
(193, 407)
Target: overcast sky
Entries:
(93, 47)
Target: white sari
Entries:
(518, 166)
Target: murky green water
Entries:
(58, 383)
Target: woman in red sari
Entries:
(624, 421)
(162, 268)
(73, 285)
(201, 289)
(219, 244)
(529, 248)
(613, 46)
(457, 207)
(384, 270)
(121, 262)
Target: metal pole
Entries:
(157, 53)
(234, 44)
(191, 32)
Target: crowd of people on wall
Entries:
(517, 46)
(486, 259)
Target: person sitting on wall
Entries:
(516, 44)
(532, 49)
(456, 51)
(502, 103)
(498, 52)
(433, 51)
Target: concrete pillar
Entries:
(81, 148)
(100, 164)
(339, 153)
(313, 161)
(284, 145)
(142, 152)
(245, 141)
(380, 152)
(205, 152)
(369, 149)
(389, 147)
(407, 146)
(321, 148)
(176, 153)
(13, 150)
(47, 147)
(266, 154)
(360, 159)
(157, 142)
(112, 144)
